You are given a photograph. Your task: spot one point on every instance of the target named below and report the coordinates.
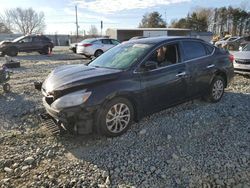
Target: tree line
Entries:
(220, 21)
(235, 21)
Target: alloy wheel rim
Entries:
(118, 117)
(218, 89)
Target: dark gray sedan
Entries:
(133, 80)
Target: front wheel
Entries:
(115, 117)
(12, 52)
(216, 89)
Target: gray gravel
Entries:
(195, 144)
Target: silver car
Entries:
(223, 42)
(242, 61)
(95, 46)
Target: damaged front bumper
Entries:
(78, 119)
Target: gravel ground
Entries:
(195, 144)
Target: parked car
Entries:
(29, 43)
(95, 46)
(244, 43)
(235, 44)
(223, 42)
(133, 80)
(242, 61)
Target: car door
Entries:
(107, 44)
(25, 44)
(200, 64)
(36, 43)
(164, 85)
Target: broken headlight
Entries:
(71, 99)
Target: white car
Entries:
(95, 46)
(242, 61)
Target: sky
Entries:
(60, 14)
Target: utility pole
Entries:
(166, 17)
(101, 27)
(76, 24)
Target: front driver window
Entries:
(165, 55)
(27, 39)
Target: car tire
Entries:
(98, 53)
(216, 89)
(115, 117)
(45, 50)
(13, 51)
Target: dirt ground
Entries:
(196, 144)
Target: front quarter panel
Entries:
(127, 85)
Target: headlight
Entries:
(70, 100)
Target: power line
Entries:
(83, 22)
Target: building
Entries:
(126, 34)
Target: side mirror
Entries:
(150, 65)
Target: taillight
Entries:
(86, 45)
(231, 58)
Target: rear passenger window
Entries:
(106, 41)
(193, 50)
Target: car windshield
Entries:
(246, 48)
(121, 56)
(17, 39)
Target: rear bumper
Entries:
(84, 50)
(242, 71)
(78, 119)
(242, 68)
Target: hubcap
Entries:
(117, 118)
(218, 89)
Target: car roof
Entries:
(99, 38)
(156, 40)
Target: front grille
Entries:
(243, 61)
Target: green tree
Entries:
(152, 20)
(182, 23)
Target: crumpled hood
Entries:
(68, 76)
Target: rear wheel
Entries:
(45, 50)
(98, 53)
(216, 89)
(115, 117)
